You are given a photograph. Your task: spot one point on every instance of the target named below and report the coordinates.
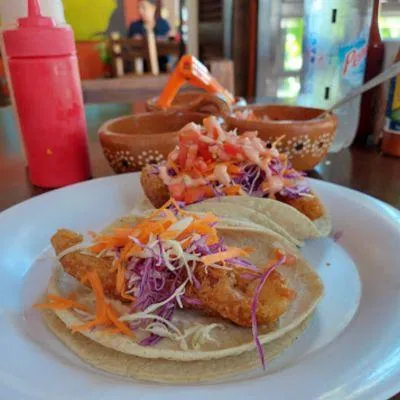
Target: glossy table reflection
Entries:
(360, 169)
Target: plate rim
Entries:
(386, 210)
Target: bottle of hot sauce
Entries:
(48, 99)
(373, 100)
(391, 130)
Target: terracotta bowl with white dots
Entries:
(131, 142)
(307, 133)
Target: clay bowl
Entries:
(197, 101)
(307, 135)
(131, 142)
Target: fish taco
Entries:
(174, 287)
(210, 162)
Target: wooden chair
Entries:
(223, 71)
(125, 51)
(131, 88)
(136, 88)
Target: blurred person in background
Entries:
(148, 20)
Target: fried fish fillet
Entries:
(225, 293)
(153, 186)
(77, 264)
(158, 194)
(311, 207)
(230, 294)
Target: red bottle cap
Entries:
(38, 36)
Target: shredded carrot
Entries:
(209, 218)
(197, 227)
(212, 238)
(130, 250)
(60, 303)
(232, 190)
(120, 282)
(170, 215)
(113, 241)
(113, 316)
(120, 278)
(234, 169)
(89, 325)
(290, 259)
(105, 314)
(97, 248)
(127, 297)
(170, 202)
(279, 139)
(169, 235)
(148, 228)
(185, 243)
(95, 282)
(123, 232)
(232, 252)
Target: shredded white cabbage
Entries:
(84, 314)
(142, 315)
(181, 224)
(200, 334)
(203, 335)
(80, 246)
(158, 328)
(179, 301)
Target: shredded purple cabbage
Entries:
(293, 193)
(189, 300)
(337, 235)
(254, 305)
(241, 262)
(253, 176)
(152, 282)
(171, 172)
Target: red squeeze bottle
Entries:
(48, 96)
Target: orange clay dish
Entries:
(189, 69)
(249, 115)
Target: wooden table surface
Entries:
(360, 169)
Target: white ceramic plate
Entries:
(351, 350)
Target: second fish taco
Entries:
(211, 163)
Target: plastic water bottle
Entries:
(335, 45)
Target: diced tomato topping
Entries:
(191, 156)
(234, 169)
(203, 151)
(176, 190)
(201, 166)
(189, 137)
(231, 149)
(182, 154)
